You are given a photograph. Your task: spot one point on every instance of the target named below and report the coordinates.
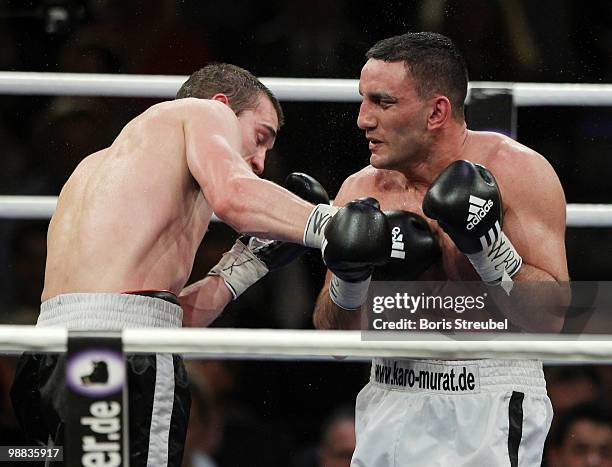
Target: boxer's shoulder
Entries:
(353, 186)
(507, 159)
(523, 175)
(365, 175)
(371, 181)
(190, 108)
(180, 111)
(167, 124)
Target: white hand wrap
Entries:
(239, 268)
(496, 264)
(348, 295)
(316, 223)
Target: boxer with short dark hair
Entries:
(123, 238)
(472, 193)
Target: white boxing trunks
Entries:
(432, 413)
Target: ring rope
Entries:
(272, 342)
(289, 89)
(42, 207)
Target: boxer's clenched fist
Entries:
(414, 248)
(467, 203)
(357, 239)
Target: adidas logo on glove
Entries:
(397, 247)
(478, 210)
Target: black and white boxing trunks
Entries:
(158, 388)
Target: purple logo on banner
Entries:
(96, 372)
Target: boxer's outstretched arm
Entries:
(237, 196)
(249, 259)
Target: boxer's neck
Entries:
(447, 146)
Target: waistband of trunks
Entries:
(108, 312)
(458, 376)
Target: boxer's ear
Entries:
(440, 112)
(221, 98)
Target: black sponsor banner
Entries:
(492, 109)
(96, 428)
(476, 311)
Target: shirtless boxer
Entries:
(425, 162)
(123, 238)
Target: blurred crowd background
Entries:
(270, 413)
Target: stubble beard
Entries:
(385, 161)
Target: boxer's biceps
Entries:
(214, 164)
(212, 148)
(538, 235)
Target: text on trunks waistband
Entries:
(427, 377)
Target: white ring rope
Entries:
(27, 207)
(288, 89)
(42, 207)
(266, 342)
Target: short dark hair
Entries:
(594, 413)
(433, 61)
(241, 87)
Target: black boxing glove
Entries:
(306, 188)
(414, 248)
(357, 238)
(466, 202)
(251, 258)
